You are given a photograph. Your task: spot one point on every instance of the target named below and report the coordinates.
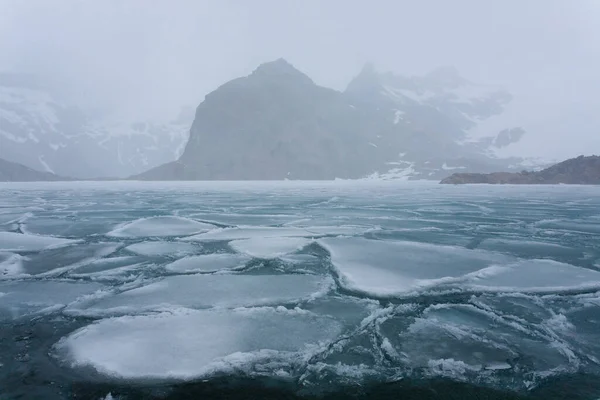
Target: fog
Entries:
(149, 58)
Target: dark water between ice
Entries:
(278, 290)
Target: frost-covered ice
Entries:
(205, 291)
(162, 248)
(163, 226)
(269, 247)
(10, 241)
(208, 263)
(190, 344)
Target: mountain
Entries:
(273, 124)
(14, 172)
(277, 123)
(427, 120)
(579, 171)
(43, 132)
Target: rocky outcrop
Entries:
(14, 172)
(578, 171)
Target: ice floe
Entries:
(163, 248)
(250, 232)
(389, 268)
(25, 297)
(208, 263)
(162, 226)
(534, 276)
(191, 344)
(269, 247)
(10, 241)
(205, 291)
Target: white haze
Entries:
(149, 58)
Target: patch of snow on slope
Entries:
(447, 168)
(398, 116)
(45, 164)
(405, 172)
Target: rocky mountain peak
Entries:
(368, 80)
(280, 69)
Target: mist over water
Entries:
(134, 288)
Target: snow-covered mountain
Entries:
(277, 123)
(432, 119)
(43, 133)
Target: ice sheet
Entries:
(191, 344)
(208, 263)
(162, 248)
(205, 291)
(269, 247)
(163, 226)
(10, 241)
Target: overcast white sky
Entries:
(149, 57)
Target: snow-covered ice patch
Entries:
(269, 247)
(163, 226)
(208, 263)
(191, 344)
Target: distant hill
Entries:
(578, 171)
(277, 124)
(15, 172)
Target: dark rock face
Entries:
(14, 172)
(576, 171)
(278, 124)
